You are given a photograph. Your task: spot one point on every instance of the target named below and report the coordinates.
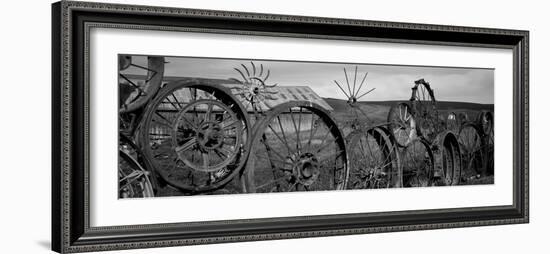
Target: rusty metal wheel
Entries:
(195, 135)
(425, 111)
(447, 159)
(133, 180)
(297, 147)
(472, 148)
(485, 119)
(402, 124)
(417, 164)
(207, 135)
(373, 160)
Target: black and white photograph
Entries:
(210, 126)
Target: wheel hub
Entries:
(210, 135)
(352, 100)
(306, 169)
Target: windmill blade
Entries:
(261, 69)
(341, 88)
(246, 69)
(242, 75)
(258, 79)
(366, 93)
(267, 76)
(347, 81)
(361, 85)
(355, 80)
(253, 68)
(236, 80)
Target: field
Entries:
(377, 111)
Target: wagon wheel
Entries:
(487, 125)
(207, 135)
(298, 147)
(452, 122)
(374, 162)
(417, 163)
(195, 136)
(135, 94)
(447, 158)
(402, 124)
(133, 180)
(424, 110)
(472, 151)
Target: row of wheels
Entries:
(195, 136)
(200, 144)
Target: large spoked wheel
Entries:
(195, 136)
(486, 122)
(472, 152)
(133, 180)
(373, 160)
(424, 110)
(298, 147)
(417, 162)
(207, 135)
(402, 124)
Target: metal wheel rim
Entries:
(417, 162)
(376, 164)
(219, 150)
(424, 110)
(472, 148)
(272, 165)
(223, 176)
(134, 181)
(402, 124)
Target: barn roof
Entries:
(281, 95)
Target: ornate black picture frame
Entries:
(71, 230)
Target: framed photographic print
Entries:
(181, 126)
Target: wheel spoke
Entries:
(283, 133)
(165, 122)
(270, 149)
(282, 141)
(312, 132)
(325, 138)
(187, 145)
(205, 159)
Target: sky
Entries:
(391, 82)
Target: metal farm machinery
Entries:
(197, 135)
